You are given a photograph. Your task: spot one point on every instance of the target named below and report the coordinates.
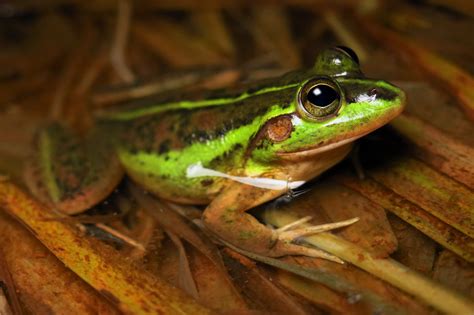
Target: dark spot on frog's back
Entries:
(197, 136)
(164, 146)
(206, 182)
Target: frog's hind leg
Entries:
(69, 173)
(226, 217)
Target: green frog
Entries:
(230, 150)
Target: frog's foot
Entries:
(286, 235)
(226, 218)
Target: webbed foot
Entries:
(226, 218)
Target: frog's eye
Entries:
(349, 52)
(320, 99)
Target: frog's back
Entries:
(157, 148)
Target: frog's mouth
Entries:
(320, 149)
(344, 139)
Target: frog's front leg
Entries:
(226, 217)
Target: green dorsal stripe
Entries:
(158, 108)
(46, 158)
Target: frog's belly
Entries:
(203, 190)
(196, 191)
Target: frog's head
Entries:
(333, 106)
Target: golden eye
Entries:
(320, 99)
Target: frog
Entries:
(282, 131)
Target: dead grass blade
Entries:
(185, 276)
(345, 279)
(462, 6)
(454, 272)
(212, 79)
(260, 289)
(131, 289)
(415, 250)
(122, 29)
(446, 199)
(389, 270)
(433, 106)
(344, 34)
(22, 86)
(212, 27)
(8, 289)
(214, 289)
(272, 31)
(49, 36)
(40, 277)
(321, 295)
(171, 221)
(71, 69)
(175, 44)
(4, 306)
(448, 76)
(438, 149)
(425, 222)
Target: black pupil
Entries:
(322, 95)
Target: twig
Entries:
(185, 276)
(70, 71)
(121, 236)
(117, 53)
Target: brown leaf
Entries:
(437, 194)
(40, 278)
(415, 250)
(272, 31)
(185, 277)
(438, 110)
(450, 77)
(131, 289)
(175, 223)
(174, 43)
(419, 218)
(455, 273)
(438, 149)
(259, 289)
(322, 295)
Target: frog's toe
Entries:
(287, 234)
(294, 224)
(290, 233)
(283, 248)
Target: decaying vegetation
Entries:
(412, 252)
